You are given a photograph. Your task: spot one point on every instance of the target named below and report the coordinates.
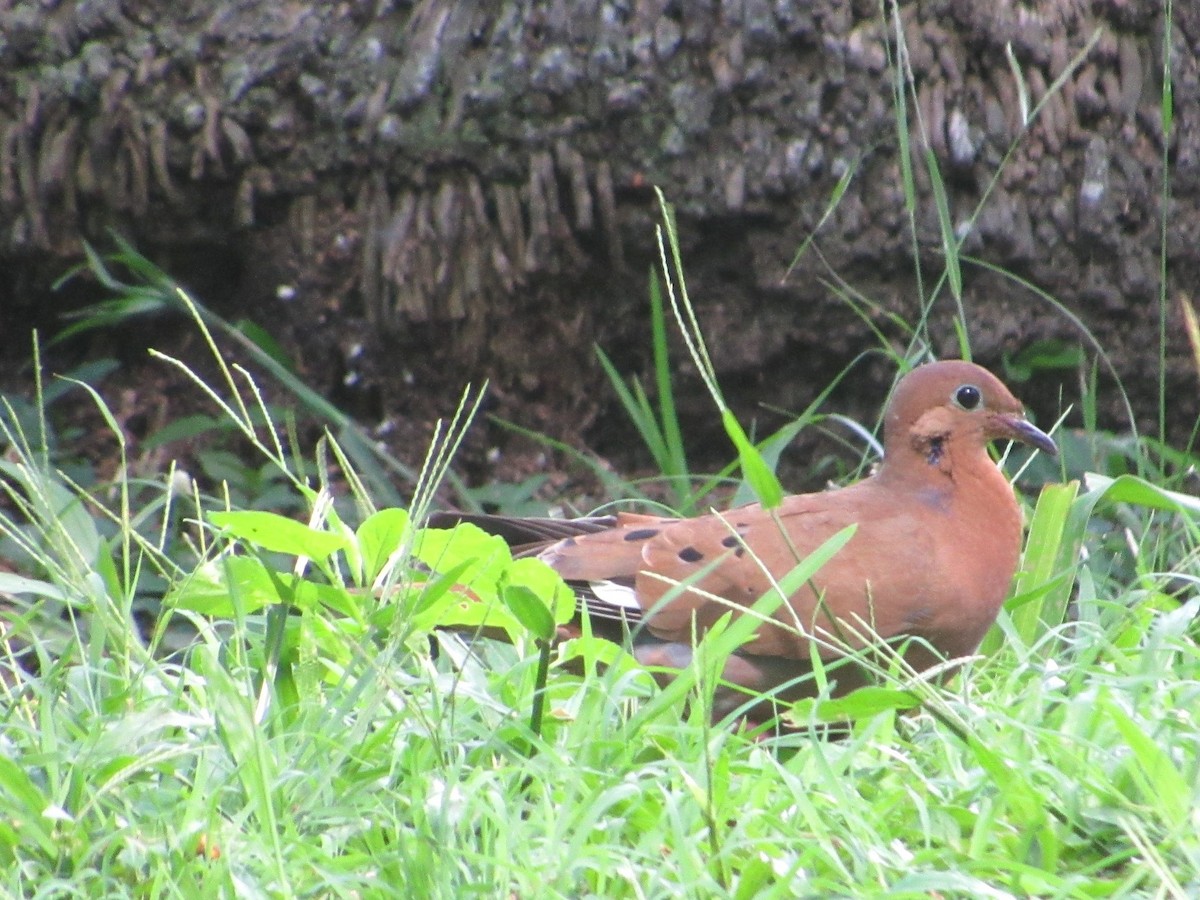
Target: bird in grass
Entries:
(936, 544)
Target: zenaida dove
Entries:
(933, 556)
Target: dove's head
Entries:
(952, 404)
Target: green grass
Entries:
(292, 724)
(319, 738)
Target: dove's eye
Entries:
(968, 397)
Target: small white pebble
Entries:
(1091, 191)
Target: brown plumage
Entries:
(937, 544)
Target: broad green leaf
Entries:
(476, 583)
(546, 584)
(277, 533)
(465, 612)
(597, 652)
(529, 610)
(379, 537)
(487, 555)
(224, 587)
(860, 704)
(311, 596)
(431, 590)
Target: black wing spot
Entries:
(739, 552)
(641, 534)
(731, 540)
(690, 555)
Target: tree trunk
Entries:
(417, 195)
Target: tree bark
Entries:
(416, 195)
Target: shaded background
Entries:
(412, 196)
